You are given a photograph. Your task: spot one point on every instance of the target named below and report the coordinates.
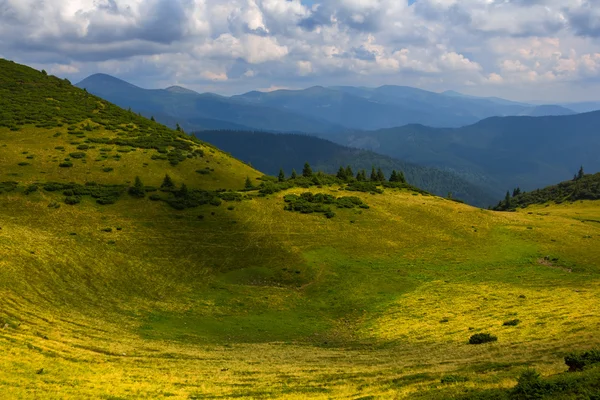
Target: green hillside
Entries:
(265, 295)
(581, 187)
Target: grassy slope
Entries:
(256, 301)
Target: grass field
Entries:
(260, 302)
(137, 299)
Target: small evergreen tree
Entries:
(183, 191)
(138, 189)
(363, 175)
(380, 175)
(580, 174)
(152, 119)
(401, 177)
(342, 174)
(349, 172)
(294, 174)
(248, 184)
(281, 176)
(373, 175)
(394, 176)
(307, 171)
(177, 127)
(516, 192)
(507, 200)
(167, 183)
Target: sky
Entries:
(527, 50)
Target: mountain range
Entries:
(497, 153)
(313, 110)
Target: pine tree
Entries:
(349, 172)
(183, 191)
(138, 189)
(380, 175)
(152, 119)
(363, 175)
(394, 176)
(580, 174)
(281, 176)
(373, 175)
(401, 177)
(177, 127)
(516, 192)
(294, 174)
(248, 184)
(341, 174)
(307, 171)
(507, 201)
(167, 183)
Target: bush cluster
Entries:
(480, 338)
(308, 203)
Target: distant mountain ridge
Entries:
(317, 109)
(497, 153)
(191, 109)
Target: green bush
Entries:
(512, 322)
(72, 200)
(66, 164)
(579, 361)
(108, 169)
(31, 189)
(453, 379)
(77, 155)
(480, 338)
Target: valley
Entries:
(203, 285)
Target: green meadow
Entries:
(139, 299)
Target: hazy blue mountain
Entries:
(269, 152)
(195, 111)
(583, 107)
(388, 106)
(546, 110)
(497, 153)
(313, 110)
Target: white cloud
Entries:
(243, 44)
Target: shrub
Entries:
(512, 322)
(453, 379)
(108, 169)
(530, 386)
(155, 197)
(77, 154)
(480, 338)
(578, 361)
(83, 147)
(107, 230)
(66, 164)
(72, 200)
(138, 189)
(23, 164)
(107, 200)
(31, 189)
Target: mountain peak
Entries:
(180, 89)
(104, 80)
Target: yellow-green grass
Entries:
(44, 150)
(261, 302)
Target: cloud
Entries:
(238, 45)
